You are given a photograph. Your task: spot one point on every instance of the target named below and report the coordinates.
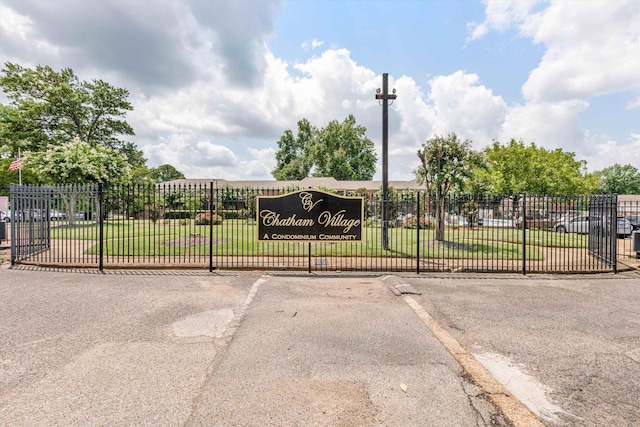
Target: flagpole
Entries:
(19, 169)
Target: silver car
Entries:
(580, 224)
(577, 224)
(624, 227)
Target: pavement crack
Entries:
(487, 412)
(222, 343)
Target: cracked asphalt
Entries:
(236, 349)
(566, 346)
(173, 348)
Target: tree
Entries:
(619, 179)
(165, 173)
(445, 163)
(76, 162)
(341, 151)
(293, 160)
(53, 107)
(515, 168)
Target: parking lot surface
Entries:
(567, 346)
(172, 348)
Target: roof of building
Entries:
(629, 198)
(309, 182)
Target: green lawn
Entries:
(238, 238)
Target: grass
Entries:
(236, 237)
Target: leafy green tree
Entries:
(340, 150)
(618, 179)
(293, 160)
(76, 162)
(165, 173)
(325, 189)
(343, 151)
(291, 188)
(515, 168)
(445, 163)
(53, 107)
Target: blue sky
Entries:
(215, 84)
(417, 38)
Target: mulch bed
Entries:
(450, 245)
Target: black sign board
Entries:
(310, 216)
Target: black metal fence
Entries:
(206, 226)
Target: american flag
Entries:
(16, 164)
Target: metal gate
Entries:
(603, 228)
(214, 227)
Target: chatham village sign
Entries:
(310, 216)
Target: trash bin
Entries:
(635, 241)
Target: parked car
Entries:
(624, 227)
(55, 215)
(580, 224)
(6, 216)
(577, 224)
(634, 220)
(84, 216)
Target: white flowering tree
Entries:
(76, 162)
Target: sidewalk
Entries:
(179, 348)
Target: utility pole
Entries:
(385, 96)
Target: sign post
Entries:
(385, 97)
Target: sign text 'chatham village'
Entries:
(308, 216)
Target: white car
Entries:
(55, 215)
(580, 224)
(6, 216)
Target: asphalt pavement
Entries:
(172, 348)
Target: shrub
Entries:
(205, 218)
(414, 222)
(232, 213)
(177, 214)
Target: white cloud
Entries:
(551, 125)
(467, 108)
(502, 15)
(18, 35)
(313, 44)
(15, 25)
(592, 49)
(611, 152)
(261, 164)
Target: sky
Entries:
(215, 83)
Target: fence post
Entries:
(524, 234)
(418, 235)
(13, 196)
(101, 225)
(210, 227)
(614, 232)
